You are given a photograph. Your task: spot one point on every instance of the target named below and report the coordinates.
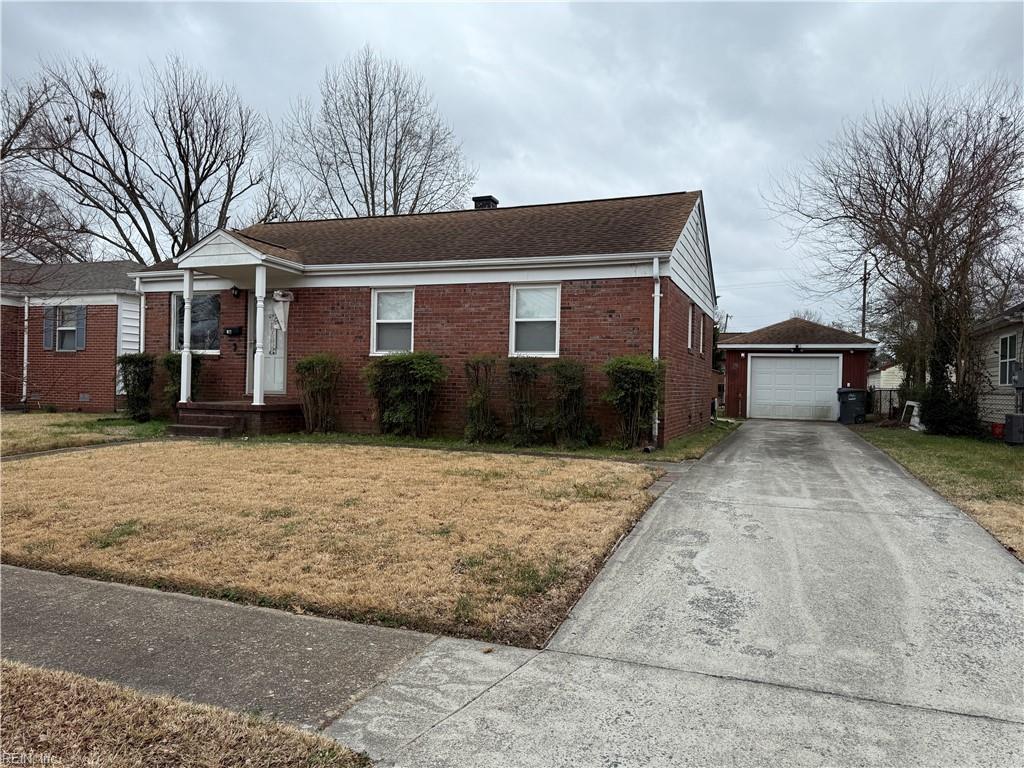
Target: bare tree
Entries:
(929, 194)
(154, 169)
(33, 223)
(375, 144)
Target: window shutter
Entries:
(49, 314)
(80, 328)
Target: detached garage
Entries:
(792, 369)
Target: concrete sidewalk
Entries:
(300, 669)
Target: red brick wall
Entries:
(599, 320)
(10, 355)
(855, 374)
(687, 370)
(60, 378)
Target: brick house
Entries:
(62, 327)
(792, 369)
(585, 280)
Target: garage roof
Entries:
(797, 331)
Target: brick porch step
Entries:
(228, 420)
(198, 430)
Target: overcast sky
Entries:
(563, 102)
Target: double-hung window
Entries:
(67, 329)
(205, 336)
(1007, 354)
(534, 331)
(392, 321)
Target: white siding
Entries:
(996, 401)
(890, 378)
(128, 337)
(690, 265)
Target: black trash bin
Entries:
(852, 405)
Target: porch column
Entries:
(186, 340)
(257, 358)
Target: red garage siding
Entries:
(855, 373)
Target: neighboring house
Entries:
(581, 280)
(1001, 341)
(80, 317)
(792, 369)
(886, 376)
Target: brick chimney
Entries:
(485, 201)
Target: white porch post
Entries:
(186, 340)
(257, 358)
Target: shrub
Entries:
(569, 421)
(527, 427)
(137, 377)
(172, 364)
(318, 379)
(635, 384)
(944, 414)
(481, 422)
(405, 386)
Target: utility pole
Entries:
(864, 302)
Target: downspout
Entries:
(24, 358)
(656, 341)
(142, 314)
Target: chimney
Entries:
(485, 201)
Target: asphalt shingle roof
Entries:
(796, 330)
(72, 278)
(584, 228)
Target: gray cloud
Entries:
(558, 102)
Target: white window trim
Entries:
(58, 328)
(702, 316)
(999, 352)
(174, 324)
(374, 352)
(689, 327)
(512, 319)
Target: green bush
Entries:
(318, 379)
(136, 370)
(634, 389)
(481, 422)
(944, 414)
(569, 421)
(527, 427)
(172, 364)
(405, 386)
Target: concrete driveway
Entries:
(794, 599)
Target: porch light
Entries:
(234, 291)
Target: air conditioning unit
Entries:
(1013, 429)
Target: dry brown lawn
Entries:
(74, 720)
(483, 545)
(37, 431)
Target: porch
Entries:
(230, 418)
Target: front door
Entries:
(275, 345)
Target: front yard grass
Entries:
(687, 447)
(38, 431)
(481, 545)
(984, 478)
(73, 720)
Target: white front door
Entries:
(793, 387)
(275, 346)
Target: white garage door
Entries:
(793, 387)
